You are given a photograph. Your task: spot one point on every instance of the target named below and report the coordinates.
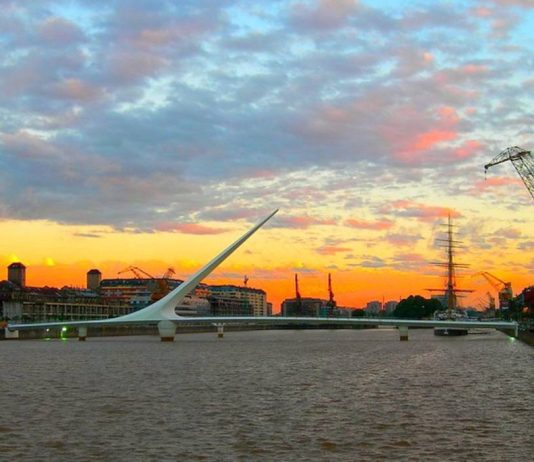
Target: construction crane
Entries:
(138, 272)
(491, 301)
(167, 274)
(298, 298)
(163, 287)
(523, 162)
(160, 289)
(504, 289)
(331, 302)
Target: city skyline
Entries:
(150, 135)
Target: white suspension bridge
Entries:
(162, 312)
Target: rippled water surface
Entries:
(269, 395)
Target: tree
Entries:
(416, 307)
(358, 313)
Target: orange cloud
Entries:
(422, 212)
(372, 225)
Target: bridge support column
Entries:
(11, 334)
(403, 332)
(167, 331)
(220, 330)
(82, 334)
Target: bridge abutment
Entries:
(82, 334)
(11, 334)
(167, 331)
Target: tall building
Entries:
(373, 308)
(94, 277)
(16, 273)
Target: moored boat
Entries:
(452, 315)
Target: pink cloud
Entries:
(429, 139)
(325, 14)
(422, 212)
(402, 240)
(416, 142)
(189, 228)
(483, 12)
(448, 115)
(411, 257)
(473, 69)
(509, 233)
(303, 222)
(332, 249)
(76, 89)
(59, 31)
(172, 33)
(467, 149)
(370, 225)
(493, 183)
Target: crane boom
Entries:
(138, 272)
(496, 282)
(504, 289)
(168, 273)
(523, 162)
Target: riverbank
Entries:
(526, 337)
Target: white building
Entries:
(373, 308)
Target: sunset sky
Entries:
(154, 133)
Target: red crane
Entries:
(504, 289)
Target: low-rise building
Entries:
(40, 304)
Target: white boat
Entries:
(453, 315)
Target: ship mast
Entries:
(451, 265)
(451, 279)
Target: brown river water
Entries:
(313, 395)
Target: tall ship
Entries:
(449, 294)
